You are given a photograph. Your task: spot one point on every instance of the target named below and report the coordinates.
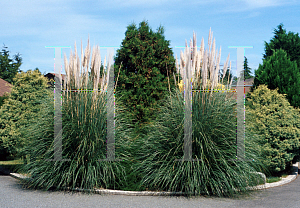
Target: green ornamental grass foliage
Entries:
(277, 124)
(22, 104)
(83, 135)
(214, 144)
(84, 144)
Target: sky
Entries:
(28, 26)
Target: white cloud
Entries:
(248, 5)
(262, 3)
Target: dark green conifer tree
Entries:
(278, 71)
(290, 42)
(147, 67)
(247, 70)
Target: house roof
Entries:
(5, 87)
(51, 75)
(249, 81)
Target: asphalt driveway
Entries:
(12, 194)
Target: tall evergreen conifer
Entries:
(278, 71)
(147, 67)
(290, 42)
(247, 70)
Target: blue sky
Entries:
(28, 26)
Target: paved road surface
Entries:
(13, 195)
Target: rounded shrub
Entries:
(270, 116)
(21, 105)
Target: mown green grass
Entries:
(279, 176)
(12, 165)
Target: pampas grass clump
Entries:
(215, 172)
(84, 132)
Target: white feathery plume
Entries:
(194, 58)
(104, 63)
(104, 77)
(189, 50)
(87, 55)
(82, 57)
(93, 58)
(204, 72)
(209, 41)
(225, 66)
(98, 66)
(202, 48)
(218, 66)
(75, 66)
(108, 68)
(199, 58)
(67, 72)
(211, 61)
(94, 66)
(78, 69)
(177, 67)
(182, 64)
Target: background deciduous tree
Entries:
(9, 68)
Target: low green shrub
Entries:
(270, 116)
(22, 104)
(2, 99)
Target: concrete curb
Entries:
(283, 181)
